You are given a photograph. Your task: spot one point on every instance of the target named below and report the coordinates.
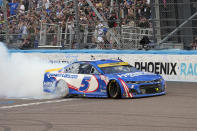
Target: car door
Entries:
(89, 78)
(81, 78)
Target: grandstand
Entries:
(99, 24)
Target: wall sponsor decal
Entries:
(164, 68)
(172, 67)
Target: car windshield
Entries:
(118, 69)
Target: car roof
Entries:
(103, 61)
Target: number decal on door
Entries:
(85, 83)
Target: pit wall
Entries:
(173, 65)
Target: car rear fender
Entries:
(49, 83)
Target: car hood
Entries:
(138, 76)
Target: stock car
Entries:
(102, 78)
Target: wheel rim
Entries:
(61, 90)
(113, 90)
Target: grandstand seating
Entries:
(51, 22)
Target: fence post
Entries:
(40, 40)
(59, 32)
(5, 19)
(85, 34)
(65, 35)
(77, 37)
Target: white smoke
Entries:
(21, 76)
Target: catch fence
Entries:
(174, 23)
(167, 24)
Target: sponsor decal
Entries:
(134, 74)
(49, 87)
(112, 64)
(103, 91)
(59, 62)
(48, 84)
(71, 58)
(63, 75)
(157, 67)
(63, 59)
(188, 69)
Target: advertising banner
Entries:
(171, 67)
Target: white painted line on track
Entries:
(35, 103)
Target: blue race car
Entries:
(102, 78)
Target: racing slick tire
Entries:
(114, 90)
(62, 89)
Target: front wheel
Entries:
(114, 90)
(62, 89)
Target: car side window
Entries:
(87, 69)
(94, 71)
(84, 69)
(74, 68)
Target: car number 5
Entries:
(85, 84)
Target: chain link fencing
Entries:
(175, 23)
(121, 29)
(50, 35)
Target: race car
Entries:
(102, 78)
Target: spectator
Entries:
(194, 44)
(26, 44)
(13, 7)
(26, 4)
(145, 42)
(46, 3)
(1, 3)
(59, 11)
(99, 33)
(22, 7)
(112, 20)
(23, 29)
(144, 23)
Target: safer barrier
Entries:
(173, 65)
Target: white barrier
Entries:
(172, 67)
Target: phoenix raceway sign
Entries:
(171, 67)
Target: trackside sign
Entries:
(165, 68)
(171, 67)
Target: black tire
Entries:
(62, 89)
(113, 90)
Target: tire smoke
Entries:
(21, 76)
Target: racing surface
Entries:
(176, 111)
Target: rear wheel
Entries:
(61, 89)
(114, 90)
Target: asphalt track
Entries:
(176, 111)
